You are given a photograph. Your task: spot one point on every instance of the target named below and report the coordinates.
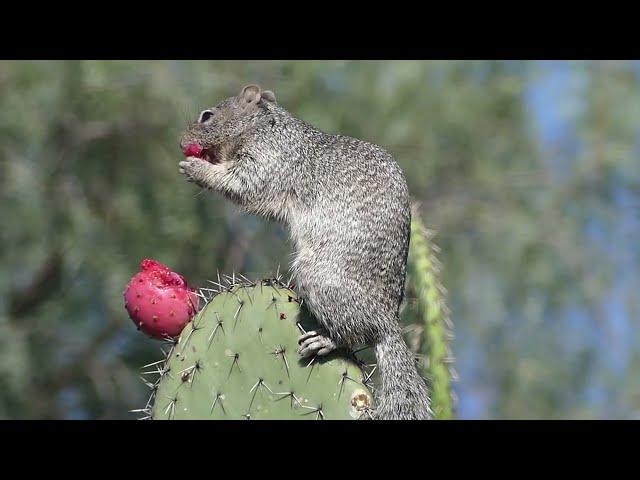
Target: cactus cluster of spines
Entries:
(237, 359)
(424, 269)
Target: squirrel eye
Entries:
(205, 115)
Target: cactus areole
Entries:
(159, 301)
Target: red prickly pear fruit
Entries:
(193, 150)
(159, 301)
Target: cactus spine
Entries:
(423, 275)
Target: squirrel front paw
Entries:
(195, 170)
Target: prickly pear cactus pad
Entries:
(237, 360)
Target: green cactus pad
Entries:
(237, 360)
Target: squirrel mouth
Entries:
(210, 155)
(207, 154)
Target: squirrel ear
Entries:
(251, 94)
(269, 96)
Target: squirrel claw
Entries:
(315, 342)
(193, 169)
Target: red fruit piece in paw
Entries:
(193, 150)
(159, 301)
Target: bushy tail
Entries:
(404, 394)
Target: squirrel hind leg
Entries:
(316, 342)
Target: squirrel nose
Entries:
(192, 150)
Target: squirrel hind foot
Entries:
(316, 342)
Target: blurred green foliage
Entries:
(528, 226)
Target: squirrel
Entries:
(346, 205)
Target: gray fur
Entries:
(345, 203)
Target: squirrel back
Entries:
(346, 205)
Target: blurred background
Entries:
(529, 172)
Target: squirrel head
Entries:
(220, 127)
